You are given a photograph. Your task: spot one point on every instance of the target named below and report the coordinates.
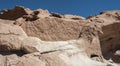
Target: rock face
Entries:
(110, 43)
(40, 38)
(16, 48)
(67, 29)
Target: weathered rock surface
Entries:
(52, 28)
(110, 39)
(40, 38)
(10, 37)
(13, 38)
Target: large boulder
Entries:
(11, 37)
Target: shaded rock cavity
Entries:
(56, 15)
(13, 14)
(31, 17)
(17, 52)
(110, 42)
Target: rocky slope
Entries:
(40, 38)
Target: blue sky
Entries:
(77, 7)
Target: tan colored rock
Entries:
(11, 37)
(69, 52)
(11, 30)
(30, 60)
(111, 33)
(6, 21)
(53, 59)
(2, 60)
(63, 49)
(74, 17)
(43, 29)
(31, 44)
(41, 13)
(58, 40)
(60, 29)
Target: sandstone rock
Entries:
(30, 60)
(69, 53)
(42, 13)
(53, 59)
(74, 17)
(44, 31)
(58, 40)
(31, 44)
(11, 30)
(51, 29)
(117, 52)
(2, 61)
(63, 49)
(6, 21)
(110, 37)
(11, 60)
(10, 37)
(13, 38)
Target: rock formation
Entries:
(40, 38)
(110, 43)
